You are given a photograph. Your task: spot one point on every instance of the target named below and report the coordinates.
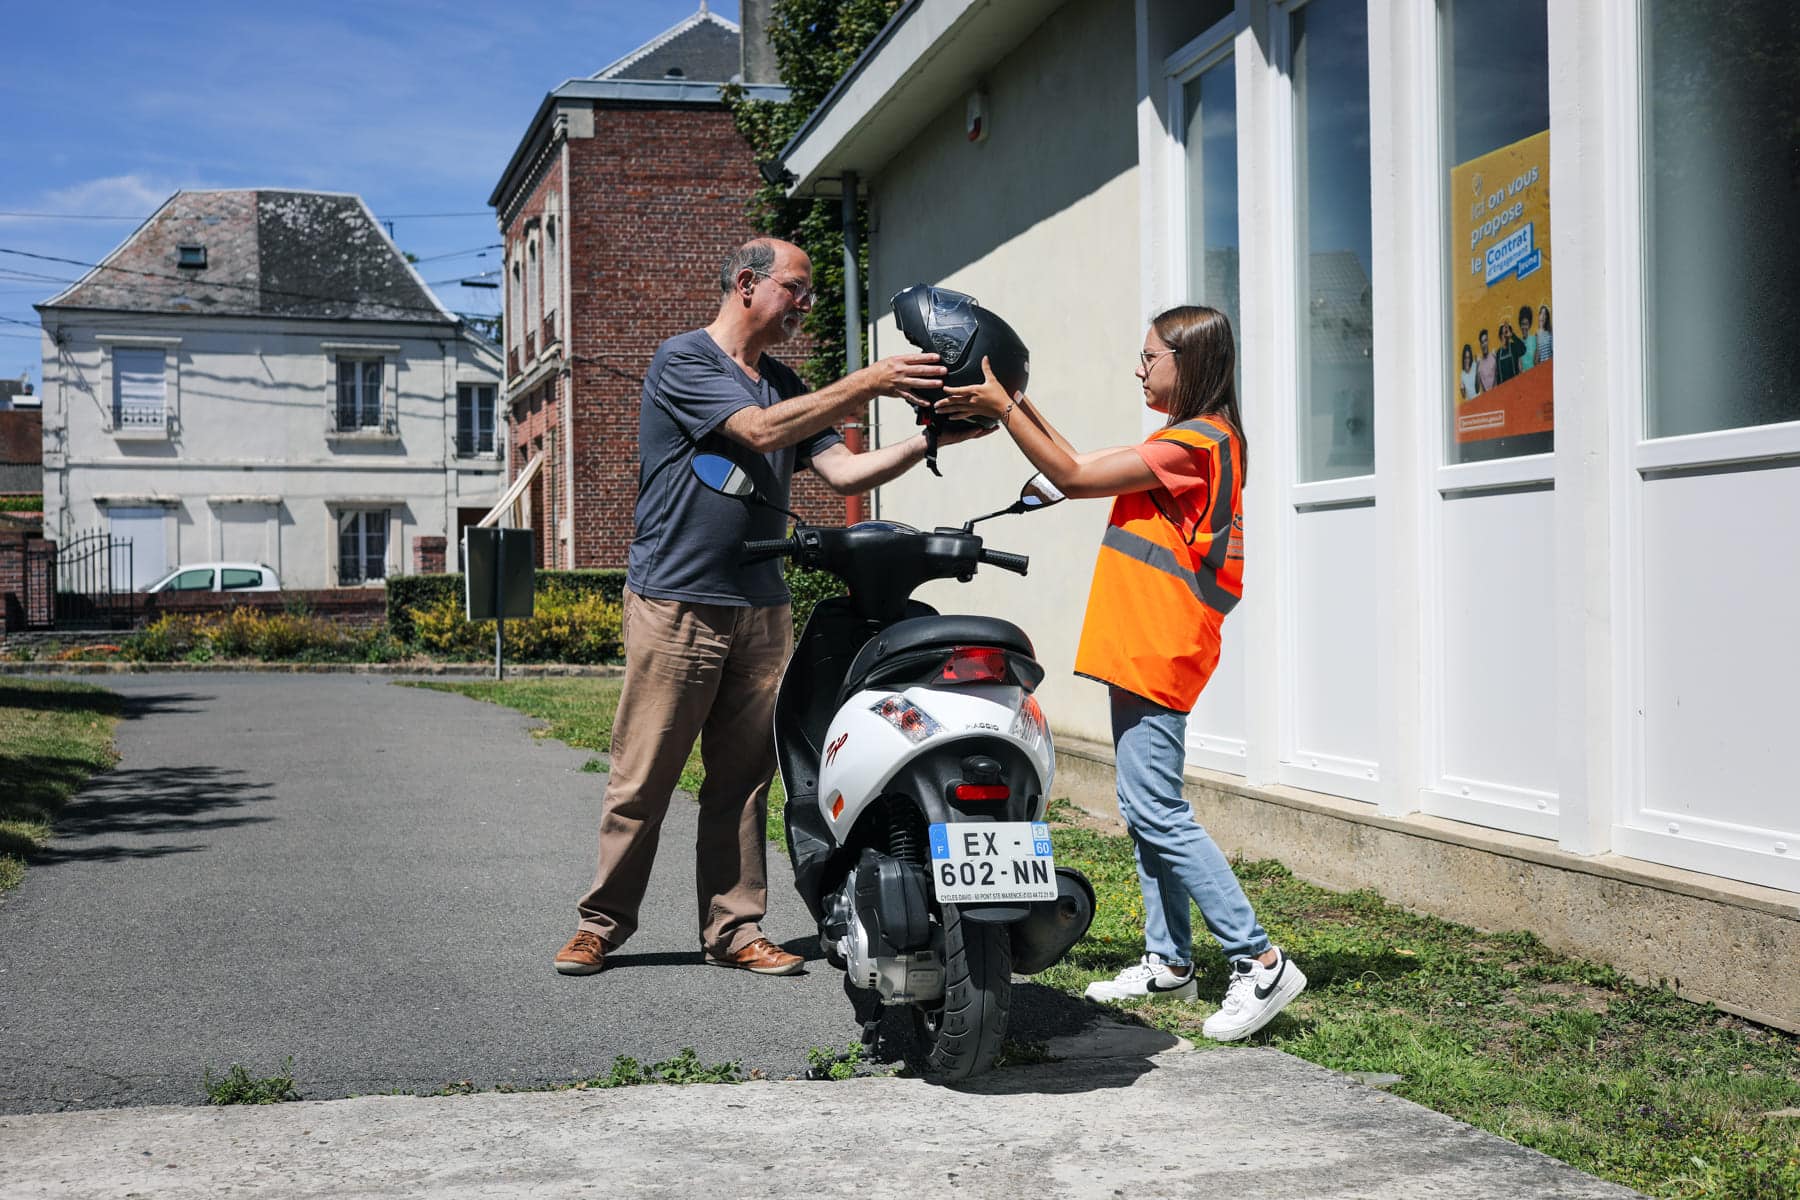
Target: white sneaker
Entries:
(1256, 993)
(1149, 976)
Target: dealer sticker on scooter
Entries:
(1000, 862)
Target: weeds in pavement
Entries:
(237, 1087)
(684, 1068)
(825, 1063)
(52, 737)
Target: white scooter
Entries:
(918, 764)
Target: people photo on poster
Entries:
(1502, 340)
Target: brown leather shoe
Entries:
(763, 957)
(584, 955)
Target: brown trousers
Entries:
(692, 670)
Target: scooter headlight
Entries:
(907, 717)
(1029, 725)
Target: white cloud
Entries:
(133, 195)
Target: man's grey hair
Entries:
(758, 255)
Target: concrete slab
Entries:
(1177, 1125)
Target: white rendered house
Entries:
(260, 375)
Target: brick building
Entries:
(626, 193)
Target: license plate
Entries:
(998, 862)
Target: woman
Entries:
(1170, 568)
(1508, 354)
(1543, 343)
(1470, 385)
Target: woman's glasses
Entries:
(1148, 357)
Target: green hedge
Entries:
(21, 504)
(407, 592)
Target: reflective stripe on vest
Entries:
(1205, 586)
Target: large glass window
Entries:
(1337, 345)
(1721, 88)
(1210, 102)
(1496, 113)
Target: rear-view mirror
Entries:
(723, 476)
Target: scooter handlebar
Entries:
(1006, 562)
(756, 550)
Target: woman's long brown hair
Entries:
(1205, 368)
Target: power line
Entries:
(458, 253)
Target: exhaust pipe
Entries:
(1052, 927)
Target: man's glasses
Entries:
(801, 292)
(1148, 357)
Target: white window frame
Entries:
(473, 388)
(1216, 45)
(168, 348)
(340, 354)
(1727, 850)
(1357, 779)
(362, 513)
(552, 262)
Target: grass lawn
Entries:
(1625, 1081)
(52, 737)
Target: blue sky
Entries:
(106, 108)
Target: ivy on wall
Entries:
(815, 42)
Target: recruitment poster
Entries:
(1504, 336)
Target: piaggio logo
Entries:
(831, 750)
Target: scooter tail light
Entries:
(983, 791)
(911, 720)
(975, 664)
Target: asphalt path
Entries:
(370, 879)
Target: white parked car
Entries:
(218, 577)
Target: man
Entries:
(706, 638)
(1487, 368)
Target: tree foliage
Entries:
(815, 42)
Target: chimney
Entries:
(756, 62)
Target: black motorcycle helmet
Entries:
(961, 332)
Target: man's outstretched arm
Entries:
(790, 422)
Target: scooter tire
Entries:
(963, 1038)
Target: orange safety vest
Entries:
(1167, 574)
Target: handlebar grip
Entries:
(1006, 562)
(757, 549)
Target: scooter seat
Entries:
(901, 644)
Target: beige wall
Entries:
(1040, 224)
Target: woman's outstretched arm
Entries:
(1115, 472)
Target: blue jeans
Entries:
(1176, 857)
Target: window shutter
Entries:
(139, 387)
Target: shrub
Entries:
(406, 593)
(569, 625)
(253, 634)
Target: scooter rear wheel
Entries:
(963, 1037)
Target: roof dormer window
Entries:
(193, 256)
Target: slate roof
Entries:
(268, 253)
(705, 48)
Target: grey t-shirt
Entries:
(689, 538)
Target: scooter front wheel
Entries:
(963, 1037)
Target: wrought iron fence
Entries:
(92, 584)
